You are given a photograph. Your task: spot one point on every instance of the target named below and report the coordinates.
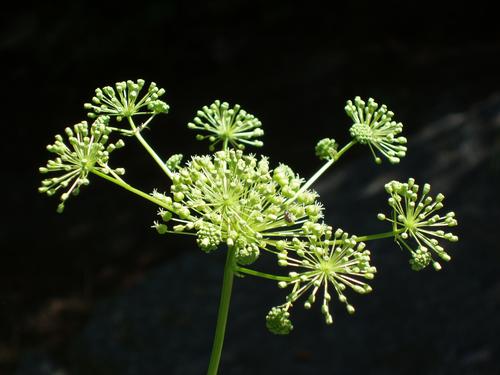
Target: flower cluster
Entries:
(326, 260)
(232, 126)
(374, 126)
(326, 148)
(278, 321)
(415, 217)
(174, 162)
(86, 150)
(124, 100)
(235, 198)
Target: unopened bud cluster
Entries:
(278, 321)
(326, 149)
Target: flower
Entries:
(126, 101)
(416, 218)
(231, 126)
(85, 152)
(325, 261)
(373, 126)
(235, 199)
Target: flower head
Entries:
(278, 321)
(231, 126)
(125, 101)
(326, 148)
(374, 126)
(235, 198)
(417, 218)
(325, 261)
(174, 162)
(86, 150)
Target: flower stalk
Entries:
(225, 299)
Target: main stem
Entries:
(220, 329)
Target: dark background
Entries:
(293, 66)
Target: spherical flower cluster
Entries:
(278, 321)
(374, 126)
(230, 126)
(125, 101)
(87, 150)
(326, 148)
(323, 262)
(415, 217)
(174, 162)
(236, 199)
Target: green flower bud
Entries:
(326, 149)
(278, 321)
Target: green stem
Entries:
(148, 148)
(220, 329)
(130, 188)
(379, 235)
(262, 274)
(323, 169)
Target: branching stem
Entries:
(264, 275)
(149, 149)
(130, 188)
(325, 166)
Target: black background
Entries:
(291, 64)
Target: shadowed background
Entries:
(63, 276)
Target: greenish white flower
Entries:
(232, 127)
(374, 127)
(326, 263)
(85, 149)
(415, 217)
(236, 199)
(125, 100)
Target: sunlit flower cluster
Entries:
(86, 149)
(374, 127)
(236, 199)
(416, 217)
(326, 263)
(232, 127)
(124, 100)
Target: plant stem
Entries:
(262, 274)
(220, 329)
(130, 188)
(148, 148)
(379, 235)
(323, 169)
